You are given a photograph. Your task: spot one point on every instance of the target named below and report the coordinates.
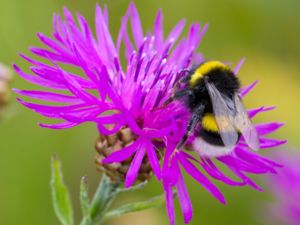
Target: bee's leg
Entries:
(196, 116)
(181, 81)
(177, 95)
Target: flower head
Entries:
(132, 96)
(285, 188)
(124, 97)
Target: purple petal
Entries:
(105, 14)
(50, 111)
(123, 153)
(59, 126)
(254, 159)
(57, 57)
(184, 200)
(270, 162)
(245, 90)
(53, 74)
(253, 112)
(109, 119)
(124, 36)
(243, 165)
(68, 16)
(85, 115)
(214, 172)
(85, 67)
(169, 203)
(271, 143)
(199, 177)
(48, 96)
(57, 28)
(135, 166)
(136, 26)
(103, 130)
(238, 66)
(175, 33)
(37, 80)
(53, 45)
(103, 33)
(267, 128)
(231, 164)
(193, 37)
(77, 90)
(154, 162)
(158, 29)
(246, 179)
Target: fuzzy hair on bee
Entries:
(218, 117)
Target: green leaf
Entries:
(84, 198)
(133, 188)
(102, 199)
(135, 207)
(60, 194)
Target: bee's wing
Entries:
(223, 115)
(243, 123)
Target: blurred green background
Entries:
(266, 32)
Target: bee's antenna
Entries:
(177, 94)
(183, 72)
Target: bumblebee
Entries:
(218, 118)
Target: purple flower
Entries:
(285, 187)
(107, 93)
(103, 92)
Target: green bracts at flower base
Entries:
(96, 211)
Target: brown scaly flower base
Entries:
(105, 145)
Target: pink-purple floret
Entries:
(285, 188)
(109, 94)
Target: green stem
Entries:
(102, 199)
(135, 207)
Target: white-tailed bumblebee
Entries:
(218, 117)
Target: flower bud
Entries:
(5, 77)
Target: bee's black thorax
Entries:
(224, 80)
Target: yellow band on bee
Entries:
(209, 123)
(204, 69)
